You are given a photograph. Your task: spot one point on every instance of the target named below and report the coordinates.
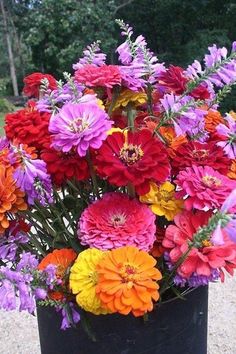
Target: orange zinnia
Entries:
(11, 198)
(62, 259)
(232, 171)
(212, 119)
(127, 281)
(172, 140)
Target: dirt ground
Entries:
(18, 332)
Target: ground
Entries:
(19, 331)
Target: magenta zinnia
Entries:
(204, 187)
(115, 221)
(79, 126)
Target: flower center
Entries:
(93, 277)
(206, 243)
(60, 271)
(200, 154)
(211, 181)
(128, 273)
(118, 219)
(164, 195)
(78, 125)
(130, 153)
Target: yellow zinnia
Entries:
(83, 280)
(128, 96)
(162, 200)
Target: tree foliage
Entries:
(50, 35)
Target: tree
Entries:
(9, 49)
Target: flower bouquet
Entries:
(118, 186)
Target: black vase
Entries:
(175, 327)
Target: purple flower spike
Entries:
(80, 126)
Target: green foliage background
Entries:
(49, 35)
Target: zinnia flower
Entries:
(98, 76)
(64, 166)
(115, 221)
(62, 260)
(200, 261)
(80, 126)
(200, 154)
(83, 281)
(11, 197)
(34, 81)
(128, 96)
(127, 281)
(204, 187)
(135, 158)
(162, 200)
(28, 126)
(212, 119)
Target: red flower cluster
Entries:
(62, 166)
(102, 76)
(28, 126)
(33, 82)
(200, 154)
(135, 158)
(175, 81)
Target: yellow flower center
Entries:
(93, 277)
(206, 243)
(211, 181)
(130, 153)
(165, 195)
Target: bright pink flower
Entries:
(204, 186)
(200, 261)
(98, 76)
(116, 221)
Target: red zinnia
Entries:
(28, 126)
(200, 154)
(63, 166)
(94, 76)
(174, 79)
(135, 158)
(34, 81)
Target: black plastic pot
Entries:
(175, 327)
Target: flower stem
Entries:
(93, 175)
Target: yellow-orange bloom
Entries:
(232, 171)
(162, 200)
(11, 197)
(212, 119)
(128, 96)
(127, 281)
(83, 281)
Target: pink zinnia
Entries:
(200, 261)
(95, 76)
(116, 221)
(204, 186)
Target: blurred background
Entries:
(49, 36)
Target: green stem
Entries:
(115, 95)
(130, 116)
(93, 176)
